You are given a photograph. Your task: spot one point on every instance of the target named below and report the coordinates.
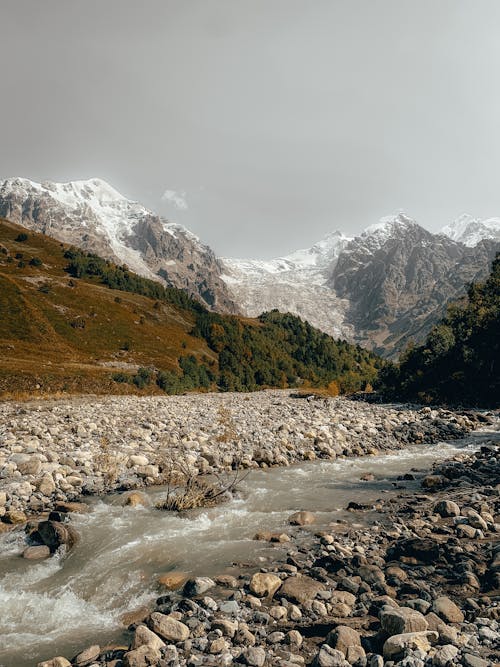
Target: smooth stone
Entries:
(342, 637)
(396, 645)
(168, 628)
(264, 584)
(142, 657)
(88, 656)
(144, 636)
(401, 620)
(301, 588)
(447, 610)
(36, 552)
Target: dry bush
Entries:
(188, 489)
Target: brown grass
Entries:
(43, 353)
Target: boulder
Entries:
(88, 656)
(59, 661)
(445, 655)
(401, 620)
(144, 636)
(46, 485)
(198, 586)
(330, 657)
(264, 584)
(396, 646)
(343, 637)
(168, 628)
(447, 610)
(301, 588)
(446, 508)
(144, 656)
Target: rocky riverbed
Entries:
(53, 452)
(411, 580)
(417, 587)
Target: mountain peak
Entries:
(386, 225)
(470, 231)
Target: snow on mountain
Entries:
(300, 282)
(93, 215)
(470, 231)
(294, 283)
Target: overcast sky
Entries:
(261, 125)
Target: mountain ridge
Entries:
(94, 216)
(380, 288)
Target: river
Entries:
(61, 605)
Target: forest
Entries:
(275, 350)
(459, 362)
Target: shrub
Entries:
(22, 237)
(36, 261)
(142, 378)
(120, 377)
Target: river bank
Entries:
(57, 451)
(410, 580)
(333, 569)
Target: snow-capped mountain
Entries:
(380, 288)
(471, 231)
(295, 283)
(94, 216)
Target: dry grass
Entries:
(42, 353)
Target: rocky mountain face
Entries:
(93, 216)
(380, 289)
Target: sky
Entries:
(261, 125)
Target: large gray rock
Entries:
(254, 656)
(144, 656)
(168, 628)
(198, 586)
(301, 588)
(342, 638)
(396, 645)
(401, 620)
(447, 610)
(330, 657)
(447, 508)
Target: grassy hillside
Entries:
(459, 362)
(73, 322)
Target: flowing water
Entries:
(61, 605)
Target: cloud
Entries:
(178, 199)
